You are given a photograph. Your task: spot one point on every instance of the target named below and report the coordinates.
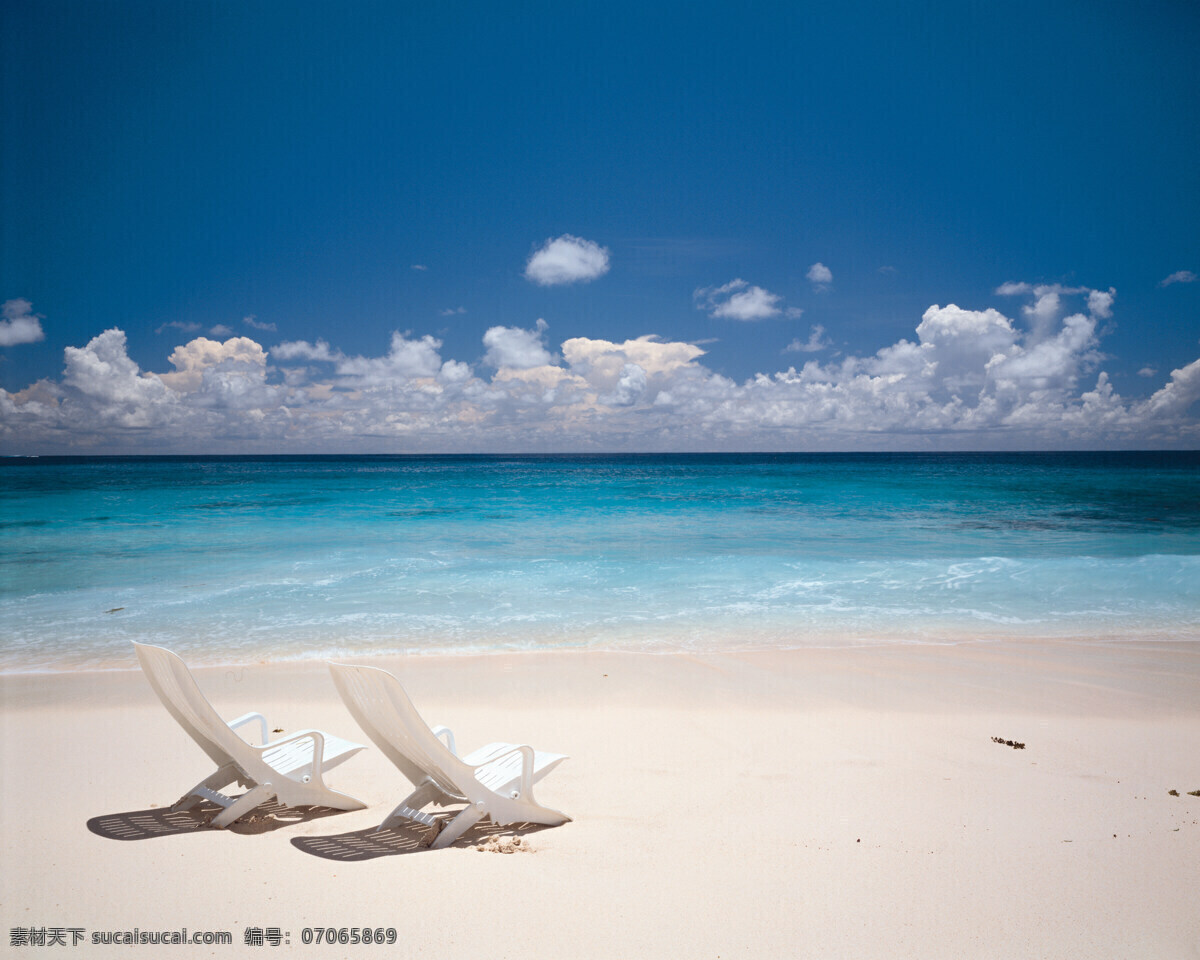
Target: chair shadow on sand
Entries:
(408, 837)
(168, 822)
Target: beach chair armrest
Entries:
(246, 718)
(527, 761)
(318, 740)
(449, 736)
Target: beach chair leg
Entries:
(222, 777)
(243, 805)
(424, 795)
(458, 826)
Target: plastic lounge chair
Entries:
(289, 769)
(495, 781)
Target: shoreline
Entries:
(949, 639)
(811, 803)
(1068, 676)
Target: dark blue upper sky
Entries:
(197, 163)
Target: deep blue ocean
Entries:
(240, 559)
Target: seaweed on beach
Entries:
(1009, 743)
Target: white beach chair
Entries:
(289, 769)
(495, 781)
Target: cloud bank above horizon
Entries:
(971, 379)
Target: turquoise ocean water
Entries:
(236, 559)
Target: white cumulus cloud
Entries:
(1100, 302)
(516, 348)
(602, 362)
(1179, 276)
(303, 350)
(1044, 311)
(738, 300)
(253, 322)
(105, 389)
(816, 342)
(184, 326)
(631, 385)
(820, 276)
(195, 357)
(406, 360)
(19, 325)
(567, 259)
(1179, 394)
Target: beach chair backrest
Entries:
(382, 708)
(177, 689)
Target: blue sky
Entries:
(172, 169)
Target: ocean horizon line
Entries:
(604, 454)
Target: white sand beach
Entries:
(805, 803)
